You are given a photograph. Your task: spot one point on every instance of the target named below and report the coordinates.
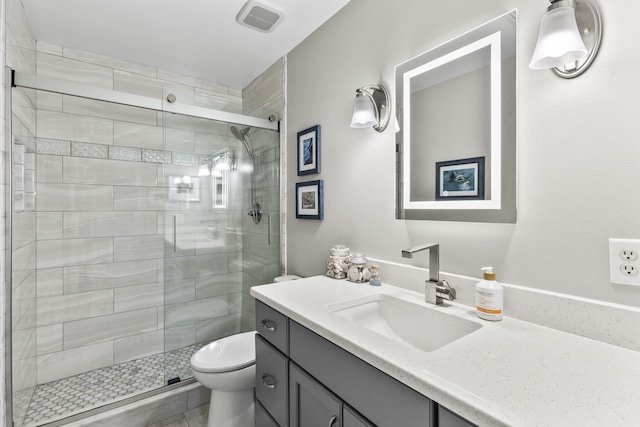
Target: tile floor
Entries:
(68, 396)
(196, 417)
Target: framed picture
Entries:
(183, 188)
(309, 151)
(309, 200)
(460, 179)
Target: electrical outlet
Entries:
(623, 261)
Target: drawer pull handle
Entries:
(268, 381)
(269, 325)
(332, 420)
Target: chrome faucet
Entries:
(435, 289)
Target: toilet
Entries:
(228, 367)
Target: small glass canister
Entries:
(338, 262)
(358, 270)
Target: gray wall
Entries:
(578, 147)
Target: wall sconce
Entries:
(215, 165)
(371, 108)
(569, 38)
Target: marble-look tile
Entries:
(49, 282)
(23, 344)
(48, 168)
(213, 329)
(179, 140)
(58, 67)
(129, 198)
(198, 397)
(69, 252)
(49, 339)
(82, 332)
(177, 421)
(84, 278)
(49, 101)
(109, 223)
(176, 291)
(191, 81)
(195, 311)
(218, 101)
(108, 62)
(149, 86)
(54, 366)
(221, 284)
(179, 336)
(137, 346)
(67, 308)
(24, 228)
(108, 110)
(24, 373)
(197, 417)
(49, 225)
(49, 48)
(188, 267)
(64, 126)
(129, 298)
(138, 247)
(71, 197)
(137, 135)
(108, 172)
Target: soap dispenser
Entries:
(489, 296)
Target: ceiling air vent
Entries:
(259, 16)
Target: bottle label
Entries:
(487, 303)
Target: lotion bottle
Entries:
(489, 296)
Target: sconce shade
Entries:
(223, 163)
(559, 41)
(364, 115)
(203, 170)
(371, 108)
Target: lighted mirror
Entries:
(456, 107)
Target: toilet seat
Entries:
(226, 354)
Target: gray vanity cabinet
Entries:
(304, 380)
(311, 404)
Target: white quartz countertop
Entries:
(507, 373)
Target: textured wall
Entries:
(578, 149)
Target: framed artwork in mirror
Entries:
(309, 200)
(460, 179)
(309, 151)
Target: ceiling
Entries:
(198, 38)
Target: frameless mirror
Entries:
(456, 107)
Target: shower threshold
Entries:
(70, 396)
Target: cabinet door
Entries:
(263, 419)
(310, 404)
(447, 418)
(350, 418)
(272, 380)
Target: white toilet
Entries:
(228, 367)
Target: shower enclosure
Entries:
(137, 228)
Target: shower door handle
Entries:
(175, 233)
(269, 229)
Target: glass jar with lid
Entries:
(338, 262)
(358, 271)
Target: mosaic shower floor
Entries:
(68, 396)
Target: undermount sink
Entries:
(420, 327)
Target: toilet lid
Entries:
(226, 354)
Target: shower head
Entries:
(240, 134)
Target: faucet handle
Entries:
(444, 290)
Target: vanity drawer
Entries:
(384, 400)
(272, 380)
(273, 326)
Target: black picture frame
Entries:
(461, 179)
(309, 151)
(310, 200)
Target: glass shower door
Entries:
(212, 254)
